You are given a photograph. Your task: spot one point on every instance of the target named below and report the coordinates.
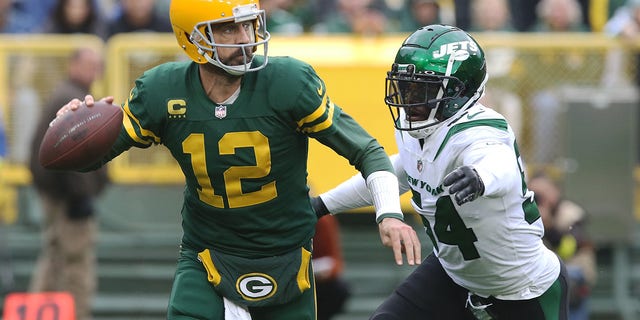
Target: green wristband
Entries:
(395, 215)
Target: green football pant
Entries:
(194, 297)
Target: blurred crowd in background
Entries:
(367, 17)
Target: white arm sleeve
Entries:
(383, 186)
(350, 194)
(380, 189)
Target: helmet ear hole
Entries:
(189, 37)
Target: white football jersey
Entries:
(492, 245)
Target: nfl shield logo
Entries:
(419, 166)
(221, 112)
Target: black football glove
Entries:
(465, 184)
(319, 207)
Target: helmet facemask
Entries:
(252, 20)
(417, 100)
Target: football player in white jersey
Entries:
(461, 163)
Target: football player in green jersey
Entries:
(238, 124)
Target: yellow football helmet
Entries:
(192, 22)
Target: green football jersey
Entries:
(245, 163)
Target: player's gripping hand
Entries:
(465, 183)
(401, 237)
(319, 207)
(75, 104)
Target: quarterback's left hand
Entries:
(465, 184)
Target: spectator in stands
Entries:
(565, 234)
(490, 16)
(523, 14)
(484, 15)
(332, 291)
(361, 17)
(595, 14)
(625, 25)
(9, 17)
(418, 13)
(67, 261)
(5, 15)
(280, 20)
(162, 7)
(527, 14)
(462, 13)
(315, 11)
(559, 16)
(24, 16)
(625, 22)
(77, 16)
(138, 16)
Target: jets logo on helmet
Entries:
(452, 47)
(439, 71)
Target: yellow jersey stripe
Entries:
(324, 124)
(128, 126)
(315, 114)
(146, 134)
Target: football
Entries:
(79, 138)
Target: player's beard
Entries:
(234, 59)
(237, 57)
